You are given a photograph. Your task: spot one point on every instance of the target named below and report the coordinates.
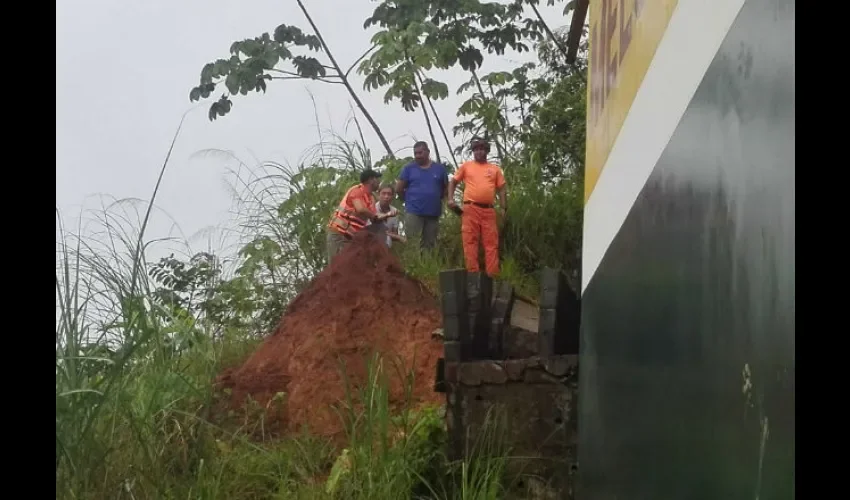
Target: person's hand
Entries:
(393, 212)
(452, 203)
(500, 212)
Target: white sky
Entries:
(123, 75)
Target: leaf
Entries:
(206, 73)
(435, 90)
(293, 34)
(341, 467)
(207, 89)
(409, 99)
(271, 58)
(283, 52)
(195, 94)
(470, 58)
(221, 68)
(308, 67)
(220, 107)
(248, 83)
(465, 86)
(232, 83)
(497, 78)
(286, 34)
(253, 48)
(375, 80)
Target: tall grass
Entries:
(136, 404)
(402, 455)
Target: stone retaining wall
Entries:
(497, 384)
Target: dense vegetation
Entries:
(138, 343)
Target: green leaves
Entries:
(293, 35)
(201, 91)
(470, 58)
(233, 83)
(309, 67)
(220, 107)
(400, 58)
(498, 78)
(435, 90)
(376, 79)
(403, 91)
(253, 62)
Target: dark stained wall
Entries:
(687, 366)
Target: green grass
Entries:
(135, 403)
(134, 395)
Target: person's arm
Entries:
(445, 194)
(363, 211)
(392, 231)
(502, 193)
(401, 182)
(452, 187)
(450, 192)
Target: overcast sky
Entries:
(123, 74)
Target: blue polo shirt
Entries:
(425, 187)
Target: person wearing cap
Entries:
(422, 185)
(483, 183)
(355, 212)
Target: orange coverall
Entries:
(481, 181)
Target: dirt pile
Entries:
(360, 303)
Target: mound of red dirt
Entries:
(361, 303)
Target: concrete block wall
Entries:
(527, 381)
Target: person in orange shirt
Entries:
(355, 212)
(483, 183)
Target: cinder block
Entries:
(559, 333)
(451, 303)
(546, 332)
(454, 327)
(440, 376)
(479, 289)
(452, 351)
(500, 314)
(550, 284)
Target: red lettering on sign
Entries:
(613, 60)
(595, 80)
(606, 55)
(626, 21)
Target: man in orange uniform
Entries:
(354, 213)
(483, 182)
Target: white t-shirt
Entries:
(391, 224)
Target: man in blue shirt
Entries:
(423, 186)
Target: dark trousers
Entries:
(423, 228)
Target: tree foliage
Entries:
(253, 62)
(534, 113)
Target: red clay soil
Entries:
(361, 303)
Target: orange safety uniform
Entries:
(481, 181)
(345, 219)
